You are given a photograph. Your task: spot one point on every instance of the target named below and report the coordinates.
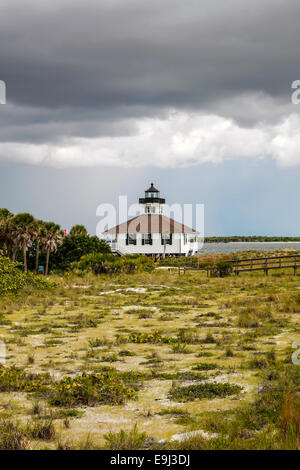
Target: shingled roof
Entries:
(151, 223)
(152, 189)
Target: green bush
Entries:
(205, 366)
(154, 337)
(221, 269)
(12, 279)
(142, 263)
(76, 246)
(91, 389)
(100, 263)
(204, 390)
(16, 379)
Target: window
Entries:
(111, 238)
(146, 239)
(151, 195)
(166, 239)
(131, 239)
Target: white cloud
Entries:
(181, 139)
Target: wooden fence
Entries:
(247, 265)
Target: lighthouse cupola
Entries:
(152, 203)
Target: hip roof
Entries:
(151, 223)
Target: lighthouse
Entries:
(152, 203)
(152, 233)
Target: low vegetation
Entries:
(91, 389)
(204, 390)
(12, 279)
(140, 358)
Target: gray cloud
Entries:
(98, 69)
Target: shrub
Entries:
(204, 390)
(290, 415)
(15, 379)
(263, 362)
(186, 335)
(229, 352)
(91, 389)
(142, 263)
(98, 342)
(179, 348)
(12, 437)
(123, 440)
(209, 339)
(205, 366)
(110, 264)
(76, 246)
(42, 429)
(247, 320)
(221, 269)
(12, 279)
(155, 337)
(126, 352)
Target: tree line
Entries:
(250, 238)
(24, 238)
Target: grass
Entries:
(42, 429)
(196, 353)
(12, 436)
(123, 440)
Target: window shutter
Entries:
(171, 238)
(143, 239)
(150, 242)
(127, 239)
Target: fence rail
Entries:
(266, 263)
(247, 265)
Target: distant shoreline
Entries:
(258, 242)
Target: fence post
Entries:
(266, 264)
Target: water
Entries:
(233, 247)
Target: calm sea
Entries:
(233, 247)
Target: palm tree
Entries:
(53, 238)
(5, 243)
(78, 230)
(13, 238)
(23, 232)
(39, 237)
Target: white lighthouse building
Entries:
(152, 233)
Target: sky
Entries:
(105, 96)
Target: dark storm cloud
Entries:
(151, 87)
(87, 69)
(133, 52)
